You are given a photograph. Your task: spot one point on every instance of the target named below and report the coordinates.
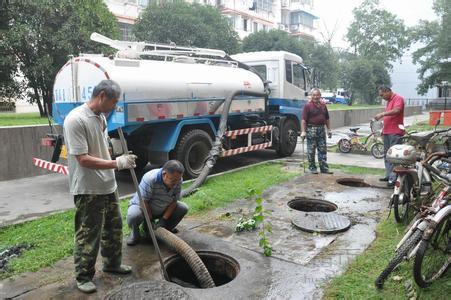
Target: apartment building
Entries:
(296, 17)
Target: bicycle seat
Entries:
(422, 138)
(354, 129)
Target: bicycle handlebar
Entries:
(427, 163)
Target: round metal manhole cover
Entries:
(311, 205)
(148, 290)
(353, 182)
(321, 222)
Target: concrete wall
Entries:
(20, 144)
(340, 118)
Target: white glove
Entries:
(303, 134)
(126, 161)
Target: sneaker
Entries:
(313, 172)
(133, 239)
(390, 184)
(122, 269)
(383, 179)
(327, 172)
(86, 287)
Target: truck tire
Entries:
(288, 138)
(192, 150)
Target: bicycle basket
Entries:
(376, 126)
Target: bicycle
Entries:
(422, 228)
(373, 141)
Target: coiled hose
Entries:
(216, 149)
(190, 256)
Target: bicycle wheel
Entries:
(402, 252)
(377, 150)
(434, 255)
(344, 145)
(402, 202)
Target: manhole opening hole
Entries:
(353, 182)
(311, 205)
(222, 268)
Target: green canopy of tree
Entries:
(434, 57)
(321, 59)
(41, 34)
(186, 25)
(377, 34)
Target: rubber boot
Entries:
(134, 237)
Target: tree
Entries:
(377, 34)
(186, 25)
(41, 34)
(435, 57)
(321, 59)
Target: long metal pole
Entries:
(143, 207)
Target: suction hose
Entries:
(190, 256)
(216, 149)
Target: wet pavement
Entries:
(298, 269)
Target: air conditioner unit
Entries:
(281, 26)
(285, 3)
(294, 27)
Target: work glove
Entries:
(303, 135)
(329, 134)
(126, 161)
(161, 223)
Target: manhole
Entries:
(222, 268)
(148, 290)
(321, 222)
(311, 205)
(354, 182)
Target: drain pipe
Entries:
(217, 145)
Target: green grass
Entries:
(358, 170)
(350, 107)
(15, 119)
(358, 280)
(424, 126)
(52, 236)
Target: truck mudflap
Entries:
(57, 168)
(249, 131)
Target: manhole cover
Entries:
(222, 268)
(321, 222)
(148, 290)
(354, 182)
(311, 205)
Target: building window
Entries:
(302, 17)
(245, 24)
(143, 2)
(264, 5)
(261, 70)
(126, 31)
(255, 26)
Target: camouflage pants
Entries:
(316, 139)
(98, 222)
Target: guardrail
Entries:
(430, 103)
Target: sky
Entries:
(336, 15)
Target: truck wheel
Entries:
(288, 138)
(192, 151)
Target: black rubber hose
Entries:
(216, 149)
(190, 256)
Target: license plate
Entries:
(63, 153)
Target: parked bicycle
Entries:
(413, 182)
(372, 142)
(429, 231)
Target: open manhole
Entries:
(354, 182)
(222, 268)
(311, 205)
(148, 290)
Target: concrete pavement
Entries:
(29, 198)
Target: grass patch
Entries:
(424, 126)
(52, 236)
(15, 119)
(358, 280)
(351, 107)
(358, 170)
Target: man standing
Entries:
(393, 117)
(314, 117)
(92, 182)
(160, 189)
